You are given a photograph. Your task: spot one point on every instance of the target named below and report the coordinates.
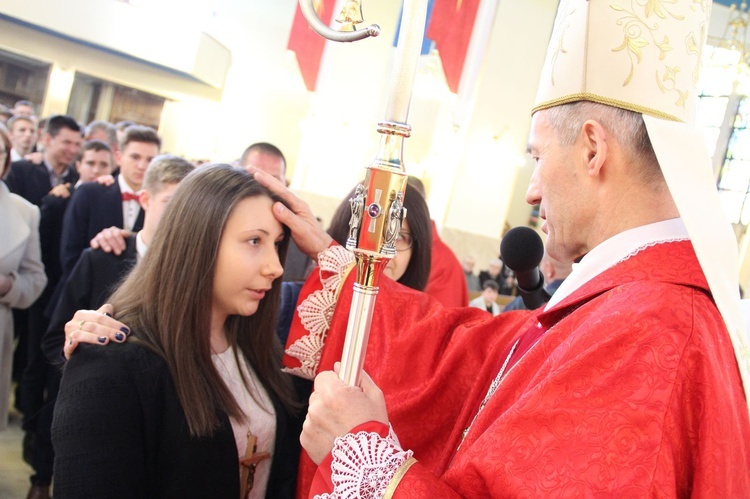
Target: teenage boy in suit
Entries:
(96, 206)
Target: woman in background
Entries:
(22, 277)
(411, 265)
(197, 389)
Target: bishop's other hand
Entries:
(336, 408)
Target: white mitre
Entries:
(645, 56)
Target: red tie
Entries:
(129, 196)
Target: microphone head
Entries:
(522, 249)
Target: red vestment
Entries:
(633, 389)
(447, 282)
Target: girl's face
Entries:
(398, 264)
(248, 259)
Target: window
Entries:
(723, 114)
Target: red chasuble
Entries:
(631, 389)
(447, 282)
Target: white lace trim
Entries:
(364, 464)
(649, 245)
(316, 311)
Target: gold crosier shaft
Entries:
(378, 203)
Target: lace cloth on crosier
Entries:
(364, 464)
(316, 311)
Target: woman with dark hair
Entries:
(197, 390)
(22, 277)
(411, 265)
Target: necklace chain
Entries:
(493, 386)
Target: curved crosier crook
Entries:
(308, 10)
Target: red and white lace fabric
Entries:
(362, 464)
(316, 311)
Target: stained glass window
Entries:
(716, 86)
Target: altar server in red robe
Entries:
(447, 282)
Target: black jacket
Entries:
(120, 432)
(92, 208)
(31, 180)
(93, 279)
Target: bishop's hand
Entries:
(306, 230)
(336, 408)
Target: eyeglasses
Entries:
(404, 241)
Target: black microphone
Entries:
(522, 249)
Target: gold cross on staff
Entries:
(249, 463)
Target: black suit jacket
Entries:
(92, 208)
(52, 211)
(120, 432)
(31, 180)
(93, 279)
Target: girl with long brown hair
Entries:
(175, 412)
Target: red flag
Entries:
(307, 44)
(451, 25)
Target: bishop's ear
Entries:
(594, 146)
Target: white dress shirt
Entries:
(617, 249)
(130, 209)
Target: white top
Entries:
(140, 247)
(615, 250)
(478, 302)
(259, 412)
(130, 209)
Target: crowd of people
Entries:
(81, 206)
(93, 197)
(185, 322)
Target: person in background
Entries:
(486, 301)
(54, 174)
(554, 272)
(195, 404)
(62, 145)
(22, 276)
(23, 135)
(472, 280)
(412, 263)
(500, 273)
(121, 127)
(104, 131)
(97, 272)
(268, 158)
(23, 108)
(96, 206)
(447, 283)
(40, 380)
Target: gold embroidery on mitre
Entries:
(640, 33)
(662, 40)
(695, 48)
(637, 28)
(558, 34)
